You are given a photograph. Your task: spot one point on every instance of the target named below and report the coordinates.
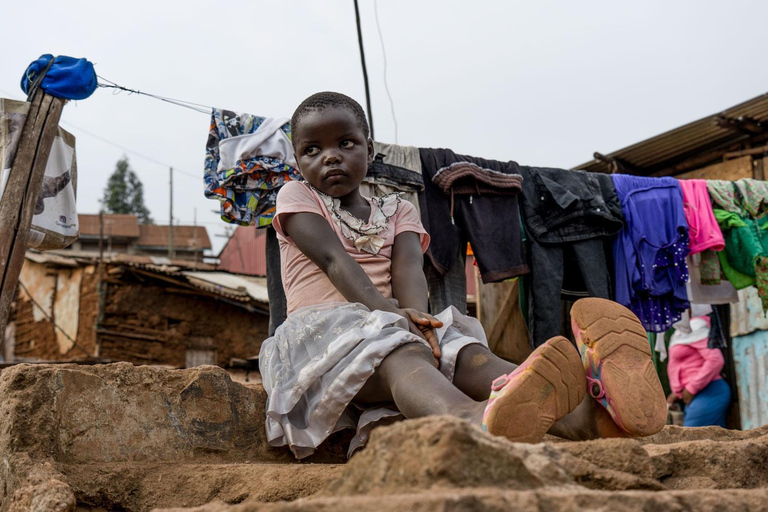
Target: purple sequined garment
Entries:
(649, 252)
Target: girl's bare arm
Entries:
(315, 238)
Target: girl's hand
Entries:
(687, 396)
(424, 325)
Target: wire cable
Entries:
(55, 325)
(197, 107)
(384, 56)
(128, 150)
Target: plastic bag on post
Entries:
(55, 225)
(13, 114)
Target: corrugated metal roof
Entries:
(240, 288)
(660, 153)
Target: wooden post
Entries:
(17, 206)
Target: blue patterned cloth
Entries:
(247, 191)
(68, 77)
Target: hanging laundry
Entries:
(247, 159)
(569, 217)
(717, 337)
(740, 209)
(747, 315)
(394, 169)
(650, 251)
(703, 230)
(458, 213)
(706, 240)
(709, 293)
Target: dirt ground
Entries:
(139, 438)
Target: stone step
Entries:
(142, 487)
(122, 413)
(498, 500)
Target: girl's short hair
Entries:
(322, 100)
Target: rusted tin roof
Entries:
(712, 134)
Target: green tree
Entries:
(124, 193)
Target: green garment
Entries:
(742, 215)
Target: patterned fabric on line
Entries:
(247, 159)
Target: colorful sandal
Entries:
(546, 387)
(616, 355)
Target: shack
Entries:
(730, 145)
(147, 310)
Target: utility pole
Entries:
(365, 70)
(195, 237)
(170, 229)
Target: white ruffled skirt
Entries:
(321, 357)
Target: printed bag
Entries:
(54, 224)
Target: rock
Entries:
(121, 413)
(120, 437)
(34, 487)
(446, 452)
(135, 437)
(498, 500)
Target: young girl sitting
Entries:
(358, 346)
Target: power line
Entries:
(384, 55)
(128, 150)
(115, 144)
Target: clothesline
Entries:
(198, 107)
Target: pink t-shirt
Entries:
(305, 284)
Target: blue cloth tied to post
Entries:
(66, 77)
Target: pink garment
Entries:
(703, 229)
(305, 284)
(693, 367)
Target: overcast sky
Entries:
(542, 83)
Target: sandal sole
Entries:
(550, 386)
(615, 351)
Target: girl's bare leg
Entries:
(408, 377)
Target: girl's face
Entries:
(333, 153)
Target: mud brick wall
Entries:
(149, 324)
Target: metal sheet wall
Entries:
(750, 354)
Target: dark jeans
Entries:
(450, 289)
(277, 302)
(564, 270)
